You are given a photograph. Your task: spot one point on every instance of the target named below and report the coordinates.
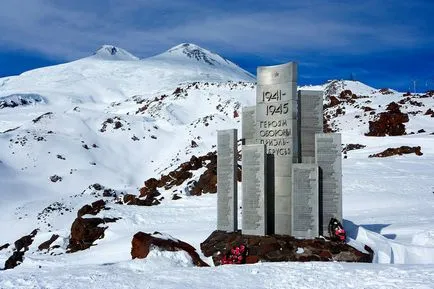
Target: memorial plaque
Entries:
(248, 124)
(227, 180)
(311, 122)
(328, 158)
(254, 217)
(305, 201)
(277, 128)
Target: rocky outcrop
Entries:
(55, 178)
(25, 241)
(142, 243)
(389, 123)
(93, 209)
(207, 182)
(46, 245)
(429, 112)
(398, 151)
(334, 101)
(277, 248)
(150, 200)
(13, 261)
(21, 246)
(351, 146)
(385, 91)
(85, 231)
(5, 246)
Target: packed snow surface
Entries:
(117, 120)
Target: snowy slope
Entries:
(117, 120)
(106, 77)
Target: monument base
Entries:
(250, 249)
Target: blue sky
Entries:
(385, 43)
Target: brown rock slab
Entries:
(85, 231)
(25, 241)
(46, 245)
(389, 123)
(21, 246)
(278, 248)
(142, 243)
(5, 246)
(14, 260)
(92, 209)
(398, 151)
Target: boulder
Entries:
(5, 246)
(25, 241)
(14, 260)
(350, 147)
(398, 151)
(92, 209)
(429, 112)
(21, 246)
(389, 123)
(277, 248)
(85, 231)
(150, 200)
(46, 245)
(142, 243)
(206, 183)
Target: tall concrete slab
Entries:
(277, 128)
(227, 180)
(311, 122)
(248, 125)
(305, 200)
(328, 151)
(254, 217)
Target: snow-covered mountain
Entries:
(113, 74)
(110, 121)
(110, 52)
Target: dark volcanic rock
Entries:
(389, 123)
(55, 178)
(133, 200)
(430, 112)
(398, 151)
(14, 260)
(278, 248)
(143, 242)
(385, 91)
(334, 101)
(5, 246)
(25, 241)
(85, 231)
(350, 147)
(46, 245)
(93, 209)
(207, 182)
(21, 246)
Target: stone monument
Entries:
(227, 193)
(305, 201)
(254, 221)
(292, 172)
(276, 124)
(311, 122)
(248, 124)
(328, 152)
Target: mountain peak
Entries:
(110, 52)
(197, 53)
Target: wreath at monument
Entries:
(236, 255)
